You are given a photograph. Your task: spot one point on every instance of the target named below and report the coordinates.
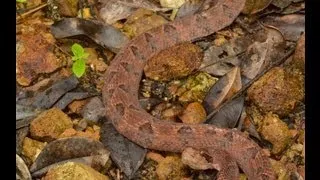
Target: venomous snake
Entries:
(226, 148)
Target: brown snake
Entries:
(227, 148)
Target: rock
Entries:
(175, 62)
(171, 113)
(193, 89)
(172, 3)
(171, 168)
(35, 56)
(81, 125)
(141, 21)
(73, 171)
(49, 125)
(94, 62)
(77, 105)
(93, 110)
(277, 91)
(31, 148)
(276, 132)
(167, 111)
(89, 133)
(194, 113)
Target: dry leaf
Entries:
(127, 155)
(225, 88)
(262, 53)
(68, 148)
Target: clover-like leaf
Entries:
(79, 67)
(77, 50)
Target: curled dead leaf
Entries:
(67, 148)
(225, 88)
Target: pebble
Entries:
(74, 171)
(49, 125)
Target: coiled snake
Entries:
(227, 148)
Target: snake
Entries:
(226, 150)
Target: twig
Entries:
(246, 86)
(31, 11)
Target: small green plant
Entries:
(78, 58)
(21, 1)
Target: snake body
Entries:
(227, 148)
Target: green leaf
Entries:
(79, 67)
(77, 50)
(21, 1)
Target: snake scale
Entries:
(228, 149)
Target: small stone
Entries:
(89, 133)
(49, 125)
(32, 148)
(77, 105)
(193, 114)
(167, 111)
(73, 171)
(94, 62)
(176, 62)
(276, 132)
(35, 56)
(81, 125)
(277, 91)
(93, 110)
(171, 168)
(171, 113)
